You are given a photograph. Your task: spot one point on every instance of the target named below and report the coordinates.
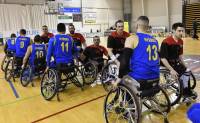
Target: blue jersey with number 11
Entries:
(144, 63)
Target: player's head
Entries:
(142, 23)
(61, 28)
(71, 28)
(178, 30)
(37, 39)
(96, 40)
(13, 35)
(22, 32)
(119, 26)
(45, 28)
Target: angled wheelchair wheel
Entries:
(4, 63)
(122, 106)
(9, 70)
(76, 77)
(25, 77)
(49, 84)
(158, 103)
(174, 88)
(89, 72)
(109, 73)
(192, 82)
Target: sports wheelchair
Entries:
(31, 71)
(13, 68)
(125, 103)
(109, 74)
(174, 87)
(5, 60)
(55, 81)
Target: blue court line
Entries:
(13, 89)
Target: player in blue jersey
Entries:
(36, 54)
(9, 47)
(22, 43)
(61, 48)
(140, 58)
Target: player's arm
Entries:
(83, 41)
(28, 53)
(5, 47)
(49, 51)
(163, 55)
(130, 43)
(110, 46)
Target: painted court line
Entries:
(13, 89)
(70, 108)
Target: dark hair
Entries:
(37, 38)
(44, 26)
(22, 31)
(61, 27)
(71, 24)
(96, 36)
(13, 35)
(118, 21)
(176, 25)
(143, 18)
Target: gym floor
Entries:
(26, 105)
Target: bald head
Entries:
(143, 23)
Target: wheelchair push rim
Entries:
(89, 72)
(25, 77)
(106, 79)
(172, 87)
(119, 108)
(49, 84)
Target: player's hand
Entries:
(23, 66)
(46, 70)
(114, 84)
(117, 63)
(174, 74)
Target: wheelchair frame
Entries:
(130, 87)
(52, 85)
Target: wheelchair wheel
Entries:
(49, 84)
(89, 72)
(159, 103)
(174, 88)
(25, 77)
(192, 82)
(122, 106)
(9, 70)
(108, 75)
(3, 63)
(76, 77)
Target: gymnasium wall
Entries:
(31, 17)
(160, 12)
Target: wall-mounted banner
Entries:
(126, 27)
(70, 3)
(67, 18)
(90, 18)
(70, 10)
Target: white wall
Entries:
(15, 16)
(157, 12)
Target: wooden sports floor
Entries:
(26, 105)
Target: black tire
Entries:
(192, 83)
(49, 84)
(76, 77)
(89, 72)
(174, 88)
(9, 70)
(25, 77)
(135, 115)
(161, 107)
(107, 85)
(3, 63)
